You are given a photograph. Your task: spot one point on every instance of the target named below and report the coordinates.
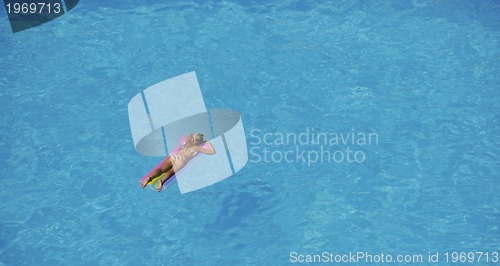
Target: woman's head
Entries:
(197, 138)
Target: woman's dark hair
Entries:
(199, 138)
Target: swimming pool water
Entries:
(423, 75)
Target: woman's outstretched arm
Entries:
(209, 151)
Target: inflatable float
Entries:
(155, 180)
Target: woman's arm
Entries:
(209, 151)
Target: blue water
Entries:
(423, 75)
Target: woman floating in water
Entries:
(177, 161)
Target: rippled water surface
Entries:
(422, 75)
